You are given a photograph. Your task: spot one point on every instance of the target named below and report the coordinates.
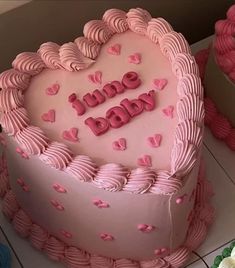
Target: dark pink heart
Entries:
(71, 134)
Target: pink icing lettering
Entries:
(131, 80)
(160, 83)
(145, 228)
(145, 161)
(58, 188)
(94, 99)
(106, 237)
(155, 141)
(111, 89)
(133, 107)
(49, 116)
(135, 58)
(71, 134)
(148, 100)
(79, 107)
(100, 204)
(114, 50)
(98, 126)
(72, 97)
(119, 145)
(117, 117)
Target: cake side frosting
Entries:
(74, 57)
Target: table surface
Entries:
(220, 164)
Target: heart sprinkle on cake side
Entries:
(145, 161)
(71, 134)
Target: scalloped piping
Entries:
(203, 214)
(171, 43)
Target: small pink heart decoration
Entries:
(179, 200)
(155, 141)
(95, 78)
(53, 90)
(145, 228)
(49, 116)
(106, 237)
(160, 251)
(57, 205)
(58, 188)
(135, 58)
(145, 161)
(120, 144)
(71, 134)
(22, 153)
(100, 204)
(66, 234)
(168, 111)
(160, 83)
(114, 50)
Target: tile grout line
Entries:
(225, 172)
(13, 250)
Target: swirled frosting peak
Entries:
(14, 79)
(88, 48)
(49, 53)
(111, 177)
(76, 258)
(32, 139)
(28, 62)
(137, 19)
(38, 236)
(82, 168)
(57, 155)
(97, 31)
(72, 59)
(157, 28)
(140, 180)
(10, 99)
(116, 20)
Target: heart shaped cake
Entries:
(102, 144)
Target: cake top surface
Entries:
(125, 99)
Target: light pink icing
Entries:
(97, 31)
(38, 236)
(49, 53)
(10, 205)
(137, 20)
(88, 48)
(14, 121)
(10, 99)
(22, 223)
(140, 180)
(82, 168)
(189, 84)
(111, 177)
(57, 155)
(72, 59)
(32, 139)
(116, 20)
(28, 62)
(75, 258)
(14, 79)
(157, 28)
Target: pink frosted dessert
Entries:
(102, 144)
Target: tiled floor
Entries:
(220, 163)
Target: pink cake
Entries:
(102, 144)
